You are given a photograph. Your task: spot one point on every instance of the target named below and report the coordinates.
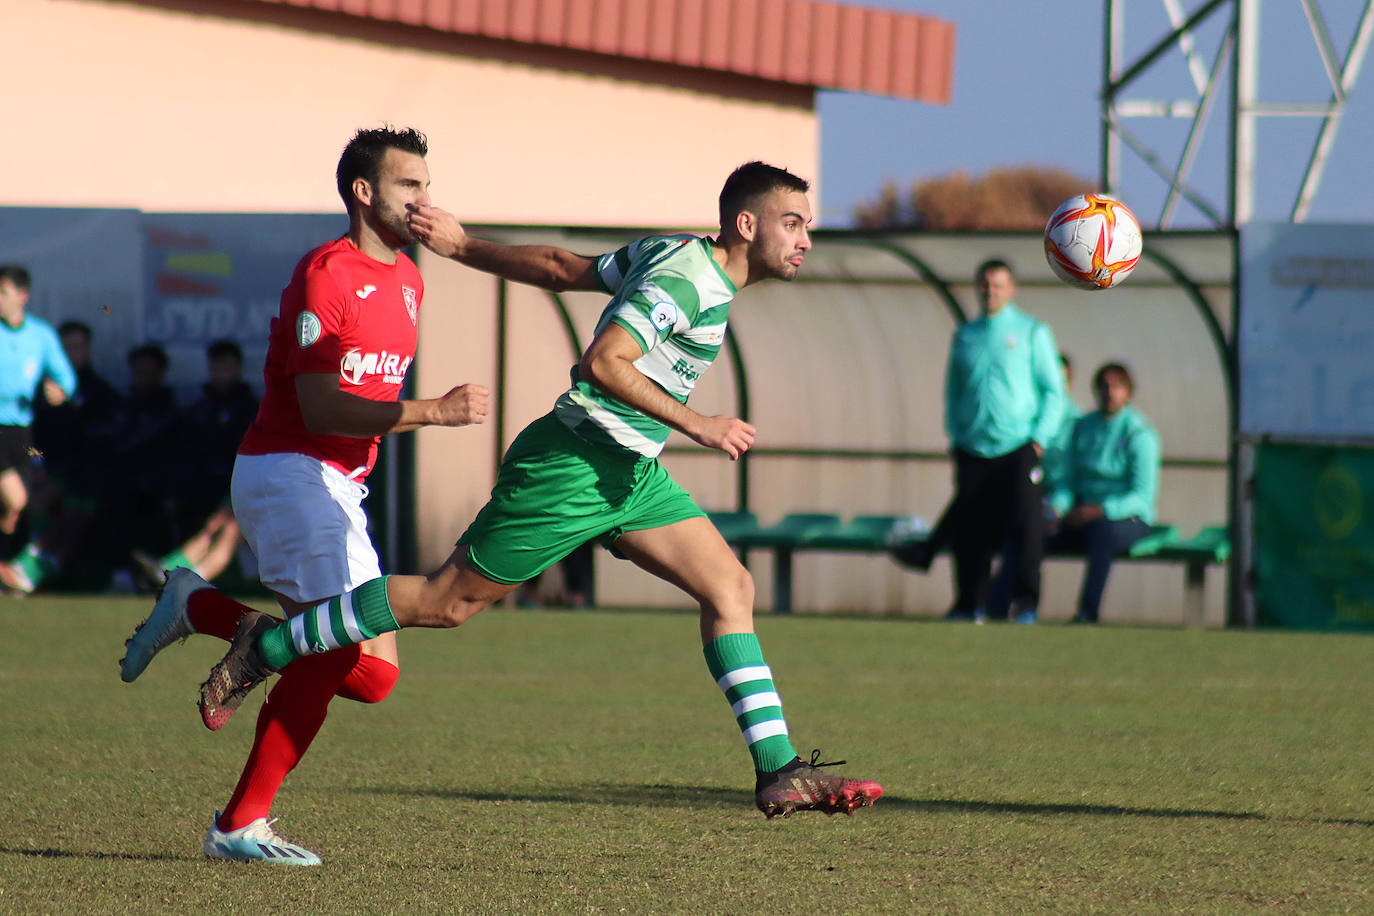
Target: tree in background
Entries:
(1012, 198)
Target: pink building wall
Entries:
(195, 109)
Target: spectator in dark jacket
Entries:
(71, 435)
(212, 429)
(214, 425)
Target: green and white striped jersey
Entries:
(670, 294)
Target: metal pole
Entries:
(1341, 83)
(1244, 91)
(1109, 168)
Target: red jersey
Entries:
(342, 312)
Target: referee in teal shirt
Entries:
(1004, 397)
(31, 360)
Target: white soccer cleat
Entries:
(257, 842)
(165, 625)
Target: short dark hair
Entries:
(74, 327)
(992, 264)
(750, 182)
(223, 347)
(150, 351)
(1107, 369)
(17, 275)
(362, 157)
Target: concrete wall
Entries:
(224, 107)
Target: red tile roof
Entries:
(816, 43)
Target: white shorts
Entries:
(305, 524)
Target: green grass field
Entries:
(584, 762)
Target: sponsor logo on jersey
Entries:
(307, 329)
(684, 369)
(412, 302)
(663, 315)
(366, 291)
(357, 367)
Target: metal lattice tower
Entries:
(1236, 61)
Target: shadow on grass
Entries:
(695, 796)
(950, 804)
(50, 853)
(982, 807)
(595, 793)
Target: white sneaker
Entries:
(165, 625)
(257, 842)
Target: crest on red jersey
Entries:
(412, 302)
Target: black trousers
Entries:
(996, 501)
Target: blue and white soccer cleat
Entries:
(165, 625)
(257, 842)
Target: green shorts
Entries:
(555, 491)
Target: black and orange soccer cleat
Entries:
(801, 786)
(235, 676)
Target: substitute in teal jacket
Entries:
(1113, 463)
(1107, 500)
(1004, 397)
(1003, 384)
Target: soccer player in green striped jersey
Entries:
(589, 470)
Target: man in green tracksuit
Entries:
(1004, 397)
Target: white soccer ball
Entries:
(1092, 241)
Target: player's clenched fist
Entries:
(53, 393)
(438, 230)
(729, 434)
(462, 406)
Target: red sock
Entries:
(370, 681)
(289, 720)
(214, 613)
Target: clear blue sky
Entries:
(1027, 77)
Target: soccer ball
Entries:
(1092, 241)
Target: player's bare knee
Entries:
(732, 595)
(736, 586)
(453, 613)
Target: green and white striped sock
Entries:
(736, 662)
(355, 616)
(36, 563)
(177, 558)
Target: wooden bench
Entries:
(878, 534)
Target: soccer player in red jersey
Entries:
(337, 356)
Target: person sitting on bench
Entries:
(1106, 499)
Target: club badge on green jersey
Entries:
(307, 329)
(663, 316)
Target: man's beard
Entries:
(394, 222)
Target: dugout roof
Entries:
(813, 43)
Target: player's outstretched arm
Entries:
(328, 411)
(548, 266)
(609, 365)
